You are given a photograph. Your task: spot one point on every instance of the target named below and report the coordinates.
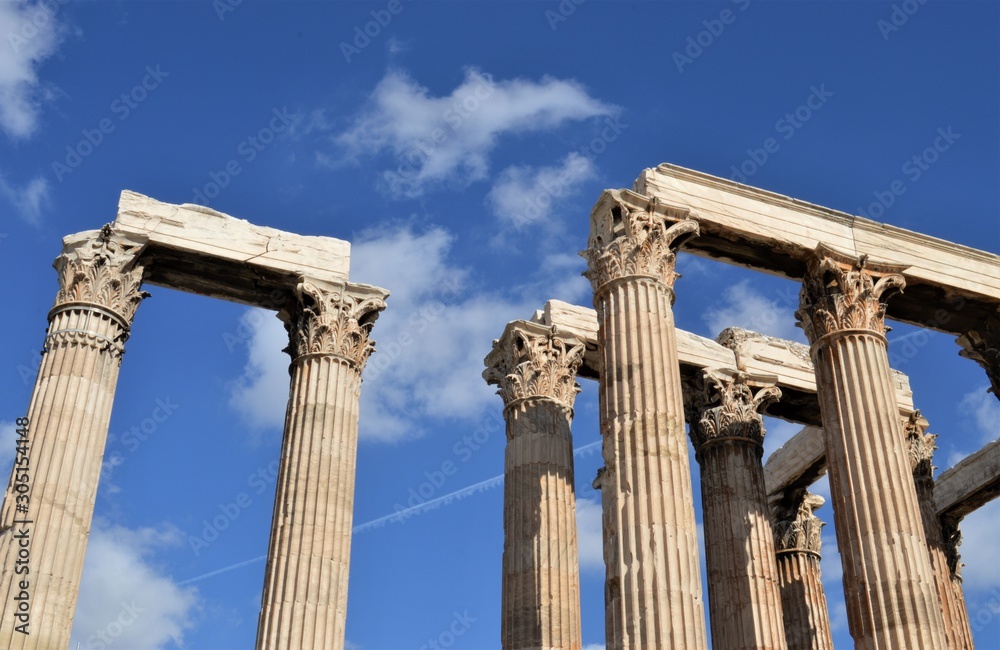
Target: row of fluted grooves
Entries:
(798, 540)
(653, 589)
(888, 583)
(305, 588)
(541, 583)
(744, 596)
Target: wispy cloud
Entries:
(523, 194)
(449, 138)
(32, 33)
(31, 200)
(984, 410)
(743, 306)
(125, 598)
(590, 536)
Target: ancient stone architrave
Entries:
(744, 595)
(534, 368)
(304, 603)
(653, 595)
(100, 278)
(888, 580)
(982, 345)
(952, 600)
(798, 540)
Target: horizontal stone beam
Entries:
(744, 351)
(199, 250)
(949, 287)
(797, 463)
(970, 484)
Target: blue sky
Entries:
(459, 147)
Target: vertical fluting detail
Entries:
(798, 540)
(653, 593)
(304, 603)
(921, 448)
(744, 597)
(535, 370)
(960, 624)
(100, 280)
(888, 581)
(982, 345)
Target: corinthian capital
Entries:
(921, 446)
(840, 292)
(100, 267)
(333, 319)
(737, 414)
(982, 345)
(533, 360)
(796, 528)
(631, 236)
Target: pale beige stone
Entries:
(653, 594)
(535, 370)
(970, 484)
(304, 604)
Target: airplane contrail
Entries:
(399, 515)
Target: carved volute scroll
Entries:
(796, 528)
(921, 446)
(532, 360)
(333, 319)
(737, 415)
(627, 240)
(101, 268)
(982, 345)
(840, 293)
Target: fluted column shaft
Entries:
(803, 600)
(956, 621)
(49, 504)
(653, 593)
(888, 582)
(744, 597)
(960, 631)
(535, 370)
(304, 602)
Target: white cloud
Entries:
(594, 646)
(32, 33)
(31, 200)
(431, 339)
(743, 306)
(450, 138)
(980, 532)
(125, 597)
(590, 538)
(523, 194)
(984, 410)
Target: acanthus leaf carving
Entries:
(532, 360)
(629, 241)
(843, 293)
(333, 319)
(982, 345)
(921, 446)
(796, 527)
(737, 414)
(104, 270)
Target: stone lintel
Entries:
(970, 484)
(198, 250)
(743, 351)
(949, 287)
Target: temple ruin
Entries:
(897, 528)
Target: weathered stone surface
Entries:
(972, 483)
(199, 250)
(99, 290)
(535, 370)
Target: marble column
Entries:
(797, 536)
(304, 603)
(952, 602)
(44, 526)
(653, 593)
(960, 632)
(744, 598)
(982, 345)
(535, 370)
(888, 581)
